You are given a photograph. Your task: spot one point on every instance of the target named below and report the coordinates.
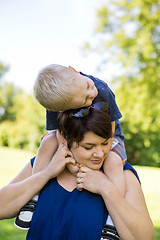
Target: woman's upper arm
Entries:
(25, 173)
(134, 194)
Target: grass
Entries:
(150, 180)
(12, 161)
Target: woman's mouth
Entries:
(96, 161)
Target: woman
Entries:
(62, 211)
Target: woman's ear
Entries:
(61, 139)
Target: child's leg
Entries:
(113, 164)
(113, 167)
(46, 151)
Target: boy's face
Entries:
(84, 91)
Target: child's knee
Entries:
(114, 159)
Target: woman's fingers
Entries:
(84, 169)
(69, 160)
(65, 150)
(81, 175)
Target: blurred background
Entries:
(116, 41)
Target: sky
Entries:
(35, 33)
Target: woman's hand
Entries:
(92, 180)
(59, 160)
(73, 168)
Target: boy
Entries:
(59, 88)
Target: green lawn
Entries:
(12, 161)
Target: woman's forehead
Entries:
(92, 139)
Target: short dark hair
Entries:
(74, 128)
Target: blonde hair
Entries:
(52, 87)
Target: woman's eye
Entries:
(88, 148)
(105, 144)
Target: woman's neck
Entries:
(67, 180)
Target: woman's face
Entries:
(91, 151)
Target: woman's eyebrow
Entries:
(91, 144)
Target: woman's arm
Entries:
(129, 213)
(20, 191)
(24, 186)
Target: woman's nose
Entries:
(98, 153)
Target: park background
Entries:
(117, 41)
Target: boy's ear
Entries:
(73, 69)
(61, 139)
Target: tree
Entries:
(3, 70)
(22, 119)
(128, 35)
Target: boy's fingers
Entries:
(81, 175)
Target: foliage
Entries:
(3, 68)
(128, 35)
(22, 119)
(26, 130)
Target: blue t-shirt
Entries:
(75, 215)
(60, 214)
(103, 91)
